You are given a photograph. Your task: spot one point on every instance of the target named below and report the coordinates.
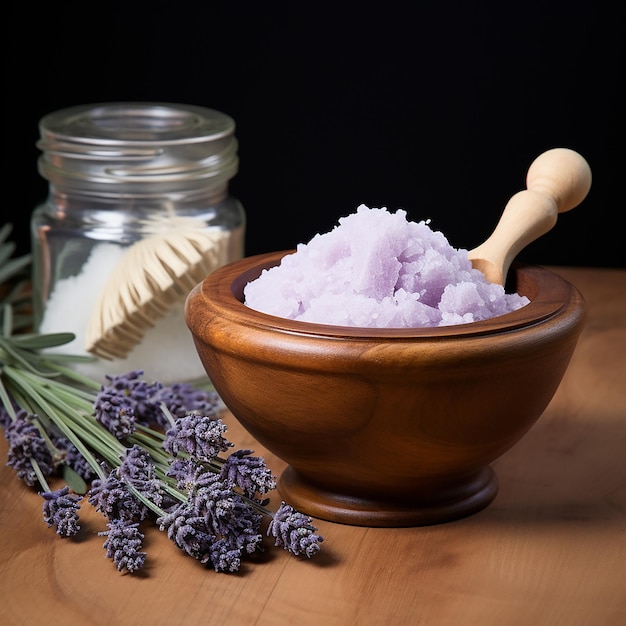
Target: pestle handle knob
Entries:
(557, 181)
(561, 174)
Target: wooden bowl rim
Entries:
(548, 292)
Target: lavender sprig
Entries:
(294, 531)
(249, 473)
(60, 509)
(27, 448)
(135, 449)
(200, 436)
(210, 506)
(123, 545)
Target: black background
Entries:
(437, 108)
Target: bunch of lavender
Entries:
(136, 450)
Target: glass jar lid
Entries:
(135, 147)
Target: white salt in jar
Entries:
(138, 212)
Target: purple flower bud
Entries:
(114, 409)
(72, 457)
(141, 394)
(249, 473)
(137, 465)
(26, 445)
(183, 398)
(60, 509)
(5, 418)
(224, 558)
(146, 399)
(112, 498)
(137, 469)
(189, 474)
(188, 531)
(228, 515)
(294, 531)
(199, 435)
(123, 545)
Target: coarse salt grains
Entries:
(377, 269)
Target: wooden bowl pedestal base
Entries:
(466, 497)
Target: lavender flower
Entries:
(112, 498)
(200, 436)
(207, 504)
(224, 558)
(27, 446)
(189, 474)
(141, 394)
(5, 418)
(147, 398)
(228, 515)
(188, 531)
(60, 509)
(128, 391)
(183, 398)
(123, 544)
(137, 465)
(219, 522)
(294, 531)
(215, 525)
(129, 384)
(138, 469)
(114, 409)
(72, 457)
(249, 473)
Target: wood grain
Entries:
(551, 548)
(439, 404)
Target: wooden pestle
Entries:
(557, 181)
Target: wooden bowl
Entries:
(385, 427)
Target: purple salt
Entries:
(376, 269)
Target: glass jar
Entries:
(138, 212)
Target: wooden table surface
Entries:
(551, 548)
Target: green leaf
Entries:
(5, 231)
(35, 341)
(70, 358)
(74, 480)
(6, 250)
(13, 267)
(12, 353)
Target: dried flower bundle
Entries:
(136, 450)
